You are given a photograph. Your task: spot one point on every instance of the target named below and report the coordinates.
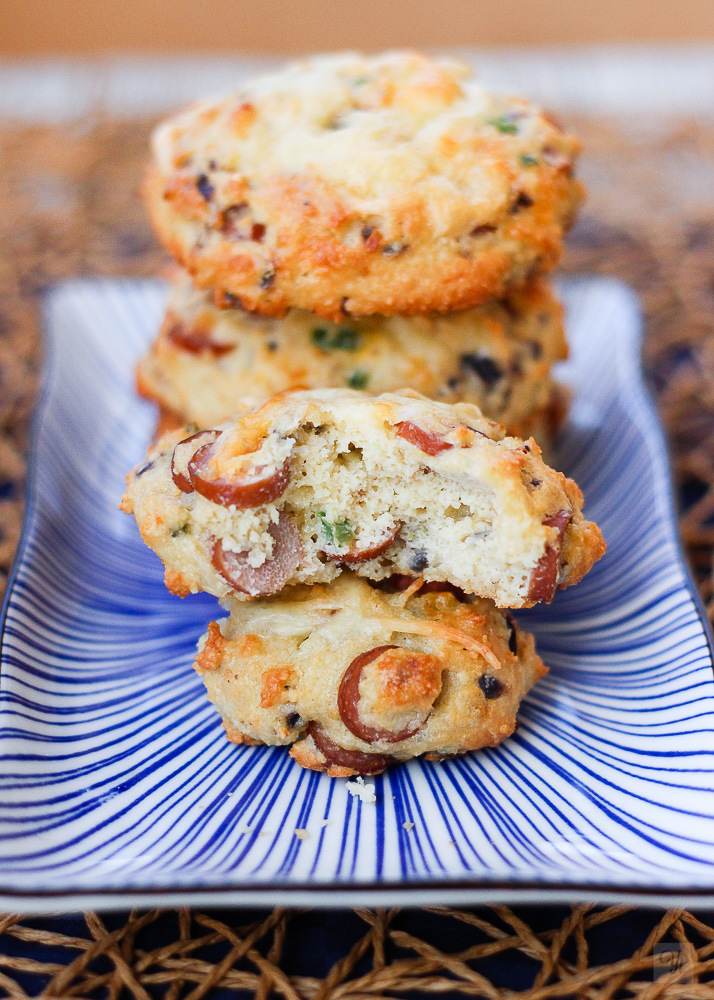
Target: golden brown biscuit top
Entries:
(381, 128)
(341, 161)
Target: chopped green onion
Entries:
(340, 533)
(358, 379)
(326, 526)
(504, 124)
(344, 532)
(321, 337)
(343, 339)
(528, 161)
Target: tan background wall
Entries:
(70, 27)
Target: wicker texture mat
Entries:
(69, 205)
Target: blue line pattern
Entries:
(114, 771)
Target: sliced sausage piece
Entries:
(252, 488)
(348, 702)
(355, 556)
(544, 578)
(441, 586)
(427, 441)
(362, 763)
(183, 452)
(273, 574)
(195, 341)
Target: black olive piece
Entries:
(293, 720)
(512, 634)
(367, 232)
(143, 469)
(205, 187)
(268, 276)
(486, 368)
(418, 560)
(522, 201)
(535, 483)
(491, 686)
(272, 345)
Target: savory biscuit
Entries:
(312, 482)
(357, 678)
(347, 185)
(498, 356)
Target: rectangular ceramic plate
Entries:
(117, 786)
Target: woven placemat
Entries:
(69, 205)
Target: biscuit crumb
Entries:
(301, 834)
(325, 822)
(408, 825)
(246, 829)
(362, 790)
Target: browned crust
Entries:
(211, 655)
(307, 265)
(306, 754)
(176, 583)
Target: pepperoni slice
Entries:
(544, 578)
(400, 581)
(273, 574)
(441, 586)
(195, 341)
(426, 441)
(393, 584)
(348, 703)
(252, 488)
(356, 760)
(355, 556)
(181, 480)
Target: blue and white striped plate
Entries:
(117, 786)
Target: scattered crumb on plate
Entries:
(408, 825)
(361, 789)
(301, 833)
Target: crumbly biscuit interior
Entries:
(348, 497)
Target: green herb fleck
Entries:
(528, 161)
(358, 379)
(346, 339)
(504, 124)
(321, 337)
(340, 533)
(344, 532)
(360, 81)
(326, 526)
(192, 428)
(183, 530)
(343, 339)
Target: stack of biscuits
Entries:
(358, 345)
